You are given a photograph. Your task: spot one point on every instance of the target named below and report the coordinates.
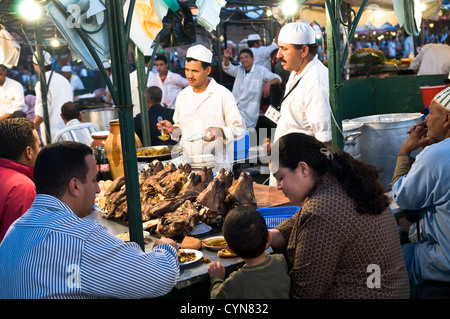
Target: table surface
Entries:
(266, 196)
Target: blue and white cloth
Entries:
(51, 253)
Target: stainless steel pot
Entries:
(381, 138)
(101, 117)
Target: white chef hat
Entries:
(253, 37)
(47, 58)
(443, 98)
(66, 68)
(297, 33)
(199, 52)
(106, 65)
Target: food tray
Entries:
(175, 153)
(276, 215)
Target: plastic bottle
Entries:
(104, 172)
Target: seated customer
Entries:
(263, 276)
(153, 95)
(75, 130)
(424, 184)
(344, 241)
(18, 151)
(52, 251)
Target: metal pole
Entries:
(119, 59)
(335, 77)
(142, 84)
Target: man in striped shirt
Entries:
(53, 252)
(75, 130)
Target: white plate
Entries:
(198, 256)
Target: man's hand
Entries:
(226, 55)
(211, 133)
(417, 138)
(216, 269)
(265, 92)
(166, 126)
(227, 52)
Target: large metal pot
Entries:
(381, 138)
(101, 117)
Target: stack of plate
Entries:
(199, 161)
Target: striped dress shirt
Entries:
(77, 131)
(51, 253)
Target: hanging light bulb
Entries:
(55, 42)
(289, 7)
(29, 9)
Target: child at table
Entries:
(263, 275)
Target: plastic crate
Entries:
(242, 146)
(276, 215)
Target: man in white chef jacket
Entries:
(59, 92)
(11, 95)
(170, 83)
(205, 109)
(251, 82)
(305, 106)
(261, 53)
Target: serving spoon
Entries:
(163, 136)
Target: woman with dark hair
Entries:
(344, 241)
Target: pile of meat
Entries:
(176, 199)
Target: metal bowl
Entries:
(101, 117)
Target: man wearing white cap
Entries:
(252, 81)
(59, 92)
(205, 109)
(424, 184)
(73, 79)
(305, 106)
(11, 95)
(261, 53)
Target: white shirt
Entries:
(135, 92)
(307, 108)
(247, 89)
(172, 85)
(215, 107)
(433, 58)
(11, 97)
(76, 82)
(262, 55)
(59, 92)
(77, 131)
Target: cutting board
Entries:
(269, 196)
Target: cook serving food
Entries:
(206, 108)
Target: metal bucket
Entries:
(101, 117)
(352, 132)
(381, 138)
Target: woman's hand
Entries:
(276, 240)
